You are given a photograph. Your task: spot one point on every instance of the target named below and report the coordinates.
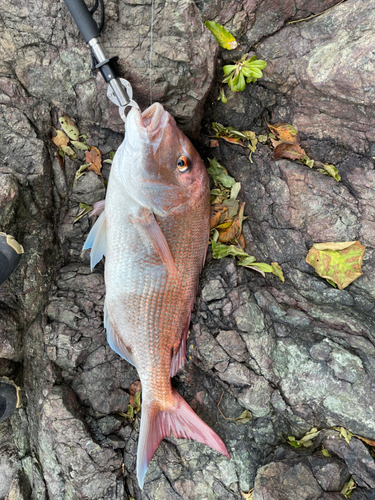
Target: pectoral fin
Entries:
(97, 240)
(152, 230)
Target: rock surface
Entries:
(297, 355)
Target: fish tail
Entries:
(181, 419)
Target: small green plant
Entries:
(242, 72)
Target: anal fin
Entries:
(115, 341)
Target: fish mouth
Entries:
(152, 120)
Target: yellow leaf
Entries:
(223, 37)
(340, 262)
(69, 127)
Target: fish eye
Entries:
(183, 164)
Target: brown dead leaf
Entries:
(274, 142)
(370, 442)
(214, 143)
(229, 234)
(285, 132)
(232, 140)
(133, 389)
(218, 214)
(241, 241)
(94, 158)
(290, 151)
(60, 138)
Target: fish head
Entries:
(165, 172)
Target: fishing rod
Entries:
(120, 91)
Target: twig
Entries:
(221, 413)
(315, 15)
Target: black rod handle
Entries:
(83, 19)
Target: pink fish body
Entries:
(154, 234)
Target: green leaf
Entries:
(244, 417)
(229, 68)
(241, 82)
(81, 171)
(222, 97)
(262, 138)
(235, 190)
(219, 174)
(308, 161)
(108, 161)
(68, 151)
(85, 209)
(80, 145)
(326, 452)
(331, 283)
(219, 251)
(223, 37)
(261, 266)
(232, 206)
(137, 401)
(247, 261)
(277, 271)
(332, 171)
(339, 262)
(344, 433)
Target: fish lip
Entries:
(151, 119)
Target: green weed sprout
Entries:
(235, 74)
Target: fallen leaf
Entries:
(60, 139)
(218, 214)
(370, 442)
(332, 171)
(249, 495)
(85, 209)
(219, 250)
(348, 488)
(214, 143)
(344, 433)
(232, 206)
(135, 395)
(277, 271)
(80, 145)
(94, 159)
(285, 132)
(80, 172)
(244, 417)
(223, 37)
(262, 138)
(68, 151)
(229, 234)
(290, 151)
(69, 127)
(219, 174)
(339, 262)
(325, 452)
(241, 241)
(235, 190)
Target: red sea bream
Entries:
(154, 234)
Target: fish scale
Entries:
(154, 234)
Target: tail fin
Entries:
(181, 419)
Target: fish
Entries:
(153, 230)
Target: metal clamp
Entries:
(113, 92)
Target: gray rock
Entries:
(357, 457)
(280, 481)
